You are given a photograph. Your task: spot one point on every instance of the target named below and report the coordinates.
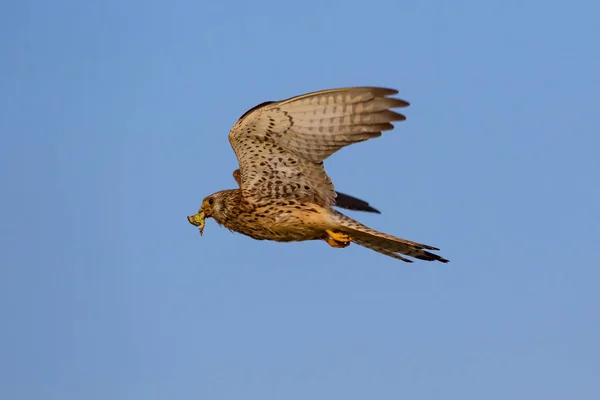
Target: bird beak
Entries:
(197, 220)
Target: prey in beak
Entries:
(197, 220)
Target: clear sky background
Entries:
(114, 118)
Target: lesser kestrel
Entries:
(284, 193)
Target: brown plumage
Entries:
(284, 193)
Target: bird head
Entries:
(212, 207)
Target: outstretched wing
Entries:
(280, 146)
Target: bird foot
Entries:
(338, 236)
(338, 240)
(336, 244)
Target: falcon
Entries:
(284, 193)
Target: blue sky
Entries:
(114, 118)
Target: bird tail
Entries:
(385, 244)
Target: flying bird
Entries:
(284, 193)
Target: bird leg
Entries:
(337, 239)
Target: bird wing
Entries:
(352, 203)
(280, 146)
(342, 200)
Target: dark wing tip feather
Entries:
(398, 116)
(392, 102)
(427, 256)
(352, 203)
(397, 103)
(384, 91)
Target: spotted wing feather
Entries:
(342, 200)
(281, 146)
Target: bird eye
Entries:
(211, 201)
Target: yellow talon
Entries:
(338, 236)
(336, 244)
(197, 220)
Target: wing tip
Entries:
(427, 256)
(387, 92)
(348, 202)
